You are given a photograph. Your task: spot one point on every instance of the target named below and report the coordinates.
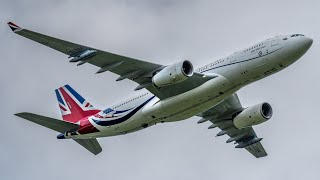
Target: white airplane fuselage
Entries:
(230, 74)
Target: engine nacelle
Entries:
(253, 115)
(173, 74)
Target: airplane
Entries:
(170, 93)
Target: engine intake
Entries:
(173, 74)
(253, 115)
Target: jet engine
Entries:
(173, 74)
(253, 115)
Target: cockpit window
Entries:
(285, 38)
(295, 35)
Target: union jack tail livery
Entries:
(72, 105)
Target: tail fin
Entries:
(72, 105)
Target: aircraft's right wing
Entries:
(221, 116)
(127, 68)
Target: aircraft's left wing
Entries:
(126, 67)
(221, 117)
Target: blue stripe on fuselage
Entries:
(124, 118)
(119, 112)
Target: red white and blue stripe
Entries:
(111, 117)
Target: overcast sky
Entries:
(161, 32)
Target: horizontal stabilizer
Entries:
(51, 123)
(91, 145)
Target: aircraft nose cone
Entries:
(305, 43)
(296, 47)
(308, 42)
(302, 45)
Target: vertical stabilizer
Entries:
(72, 105)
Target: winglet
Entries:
(14, 27)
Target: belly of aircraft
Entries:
(176, 108)
(191, 103)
